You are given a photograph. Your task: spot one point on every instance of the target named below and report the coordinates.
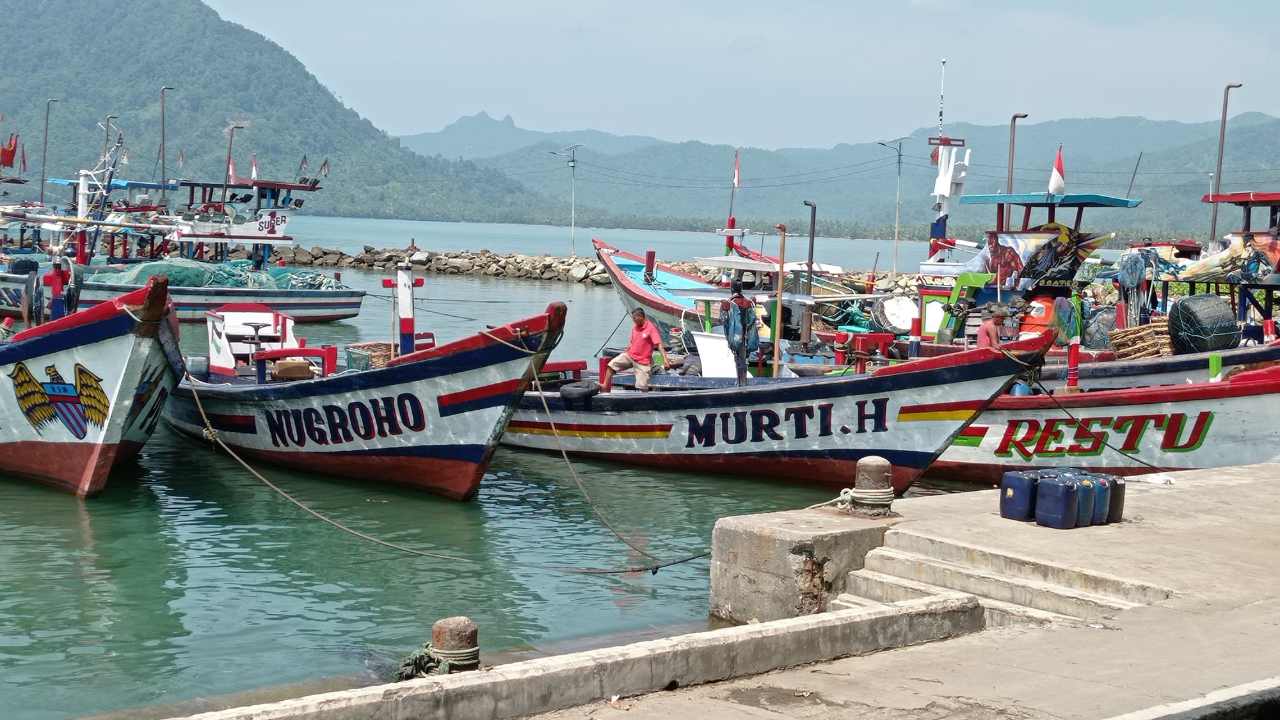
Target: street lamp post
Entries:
(807, 330)
(44, 151)
(1217, 173)
(226, 176)
(573, 194)
(1013, 136)
(164, 169)
(897, 203)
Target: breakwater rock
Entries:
(453, 262)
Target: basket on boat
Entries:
(369, 355)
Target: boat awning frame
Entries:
(1069, 200)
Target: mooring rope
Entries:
(1101, 438)
(212, 434)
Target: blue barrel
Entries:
(1057, 503)
(1018, 495)
(1101, 497)
(1086, 492)
(1115, 513)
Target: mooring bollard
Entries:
(873, 486)
(456, 641)
(454, 647)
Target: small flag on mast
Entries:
(302, 166)
(253, 167)
(324, 167)
(1058, 179)
(182, 159)
(736, 167)
(24, 157)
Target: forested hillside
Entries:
(103, 58)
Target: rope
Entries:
(211, 434)
(1098, 436)
(848, 497)
(615, 331)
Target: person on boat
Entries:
(645, 338)
(989, 330)
(741, 328)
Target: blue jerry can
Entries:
(1018, 495)
(1086, 492)
(1115, 513)
(1101, 497)
(1056, 502)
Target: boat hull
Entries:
(810, 431)
(191, 303)
(665, 310)
(1175, 427)
(431, 420)
(117, 370)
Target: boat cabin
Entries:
(249, 339)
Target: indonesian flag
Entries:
(253, 167)
(1058, 179)
(736, 168)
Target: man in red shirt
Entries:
(645, 338)
(989, 331)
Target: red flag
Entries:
(1058, 178)
(8, 150)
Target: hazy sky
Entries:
(772, 74)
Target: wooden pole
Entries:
(777, 305)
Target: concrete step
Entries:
(877, 586)
(1031, 593)
(1026, 568)
(845, 601)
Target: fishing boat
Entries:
(642, 282)
(87, 389)
(807, 430)
(1125, 432)
(118, 245)
(428, 417)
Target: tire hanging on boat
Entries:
(1202, 323)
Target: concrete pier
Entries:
(956, 612)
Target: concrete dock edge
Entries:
(564, 681)
(1250, 700)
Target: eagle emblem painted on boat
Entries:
(78, 406)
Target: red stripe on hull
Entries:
(834, 474)
(943, 407)
(990, 474)
(506, 387)
(454, 479)
(78, 468)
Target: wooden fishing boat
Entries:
(1125, 432)
(650, 287)
(807, 430)
(429, 418)
(86, 390)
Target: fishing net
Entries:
(236, 273)
(1202, 323)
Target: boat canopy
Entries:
(117, 184)
(1244, 199)
(733, 262)
(1069, 200)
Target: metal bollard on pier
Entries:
(873, 486)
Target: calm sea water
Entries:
(189, 579)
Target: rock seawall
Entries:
(586, 270)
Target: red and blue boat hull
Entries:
(429, 420)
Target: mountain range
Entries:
(481, 168)
(854, 185)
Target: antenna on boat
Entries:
(942, 86)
